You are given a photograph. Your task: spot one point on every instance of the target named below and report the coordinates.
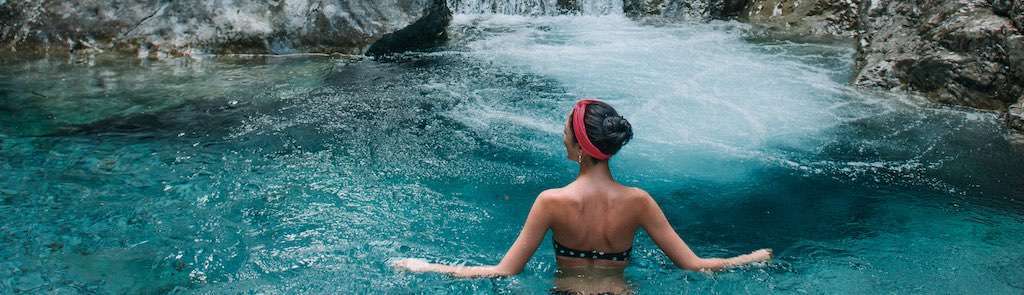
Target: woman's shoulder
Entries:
(635, 192)
(564, 194)
(554, 194)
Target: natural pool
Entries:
(307, 174)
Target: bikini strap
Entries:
(562, 250)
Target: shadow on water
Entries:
(780, 210)
(948, 151)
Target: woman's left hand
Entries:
(412, 264)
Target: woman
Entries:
(593, 219)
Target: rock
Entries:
(242, 26)
(684, 8)
(1002, 7)
(640, 8)
(1014, 117)
(953, 51)
(791, 19)
(1017, 13)
(805, 19)
(568, 6)
(428, 31)
(802, 19)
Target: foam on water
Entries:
(535, 7)
(693, 85)
(693, 88)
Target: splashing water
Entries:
(537, 7)
(306, 175)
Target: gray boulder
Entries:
(954, 51)
(217, 26)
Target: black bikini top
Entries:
(561, 250)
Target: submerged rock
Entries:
(954, 51)
(29, 282)
(243, 26)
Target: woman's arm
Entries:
(515, 259)
(654, 222)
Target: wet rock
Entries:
(639, 8)
(828, 18)
(149, 27)
(1014, 117)
(684, 9)
(428, 31)
(568, 6)
(804, 19)
(1002, 7)
(1016, 12)
(958, 52)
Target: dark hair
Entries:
(606, 129)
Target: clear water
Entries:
(306, 175)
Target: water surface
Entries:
(306, 175)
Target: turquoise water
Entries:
(291, 175)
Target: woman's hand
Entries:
(762, 255)
(412, 264)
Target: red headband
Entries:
(579, 129)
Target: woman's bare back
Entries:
(600, 218)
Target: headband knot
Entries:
(579, 129)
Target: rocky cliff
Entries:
(965, 52)
(240, 26)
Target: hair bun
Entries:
(606, 129)
(616, 124)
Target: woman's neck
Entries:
(597, 171)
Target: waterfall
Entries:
(537, 7)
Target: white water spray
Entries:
(537, 7)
